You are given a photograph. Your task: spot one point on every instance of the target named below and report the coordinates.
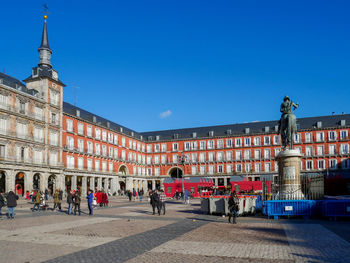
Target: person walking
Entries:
(233, 207)
(141, 195)
(2, 202)
(154, 201)
(90, 198)
(161, 203)
(129, 195)
(37, 201)
(11, 204)
(77, 201)
(46, 193)
(56, 201)
(187, 197)
(70, 202)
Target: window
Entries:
(333, 164)
(163, 159)
(211, 156)
(309, 165)
(157, 148)
(320, 137)
(97, 149)
(130, 144)
(267, 154)
(211, 169)
(104, 150)
(104, 166)
(202, 145)
(163, 148)
(202, 170)
(174, 158)
(220, 144)
(194, 157)
(344, 148)
(70, 162)
(308, 151)
(229, 156)
(247, 142)
(194, 170)
(81, 145)
(38, 112)
(257, 141)
(320, 164)
(247, 155)
(248, 167)
(123, 141)
(3, 101)
(110, 167)
(267, 167)
(80, 128)
(220, 168)
(238, 168)
(194, 145)
(202, 157)
(104, 136)
(156, 171)
(343, 134)
(229, 168)
(53, 158)
(308, 137)
(257, 154)
(70, 143)
(22, 107)
(332, 135)
(115, 139)
(219, 157)
(38, 134)
(238, 142)
(278, 150)
(257, 167)
(267, 140)
(80, 163)
(149, 148)
(211, 144)
(53, 138)
(238, 155)
(54, 118)
(175, 147)
(298, 149)
(229, 143)
(97, 165)
(345, 163)
(332, 149)
(297, 138)
(21, 130)
(187, 146)
(115, 153)
(276, 139)
(89, 164)
(54, 97)
(69, 125)
(89, 131)
(320, 150)
(97, 134)
(110, 152)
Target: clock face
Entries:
(54, 75)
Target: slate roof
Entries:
(16, 84)
(45, 38)
(43, 71)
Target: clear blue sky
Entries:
(205, 62)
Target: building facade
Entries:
(47, 143)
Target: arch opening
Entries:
(176, 172)
(2, 182)
(19, 183)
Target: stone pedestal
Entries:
(289, 175)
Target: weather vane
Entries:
(46, 11)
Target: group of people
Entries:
(133, 195)
(157, 200)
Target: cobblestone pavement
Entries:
(128, 232)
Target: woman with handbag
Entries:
(233, 206)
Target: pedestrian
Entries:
(161, 203)
(2, 202)
(129, 195)
(70, 202)
(187, 197)
(46, 194)
(89, 198)
(56, 201)
(134, 194)
(233, 207)
(77, 200)
(105, 199)
(141, 195)
(37, 201)
(154, 201)
(11, 204)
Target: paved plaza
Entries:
(128, 232)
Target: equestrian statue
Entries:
(288, 123)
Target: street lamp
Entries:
(181, 160)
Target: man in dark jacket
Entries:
(77, 200)
(70, 202)
(233, 207)
(11, 204)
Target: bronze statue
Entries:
(288, 123)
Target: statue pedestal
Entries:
(289, 175)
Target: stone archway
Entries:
(19, 183)
(2, 182)
(123, 170)
(36, 181)
(51, 184)
(175, 172)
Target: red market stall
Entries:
(196, 185)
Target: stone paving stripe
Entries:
(129, 247)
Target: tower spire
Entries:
(44, 49)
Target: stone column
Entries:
(216, 181)
(114, 183)
(225, 181)
(162, 183)
(61, 182)
(128, 184)
(84, 185)
(144, 185)
(43, 182)
(153, 184)
(74, 182)
(106, 185)
(28, 181)
(10, 181)
(92, 183)
(289, 175)
(99, 183)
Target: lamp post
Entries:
(181, 160)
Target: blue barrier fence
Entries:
(276, 208)
(336, 208)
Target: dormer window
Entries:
(176, 136)
(267, 128)
(150, 138)
(342, 123)
(319, 124)
(132, 134)
(211, 133)
(229, 132)
(93, 118)
(194, 135)
(77, 113)
(22, 107)
(246, 130)
(121, 129)
(157, 138)
(108, 124)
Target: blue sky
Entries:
(155, 65)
